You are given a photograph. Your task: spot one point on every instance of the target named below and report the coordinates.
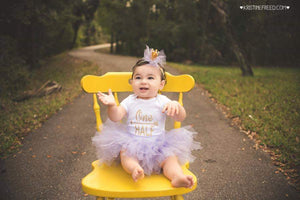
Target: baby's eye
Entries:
(150, 78)
(137, 77)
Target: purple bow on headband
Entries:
(154, 57)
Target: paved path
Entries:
(55, 157)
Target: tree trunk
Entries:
(112, 42)
(203, 25)
(75, 26)
(243, 62)
(34, 48)
(226, 24)
(46, 89)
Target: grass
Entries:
(17, 119)
(267, 104)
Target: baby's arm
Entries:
(174, 110)
(115, 112)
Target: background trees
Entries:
(43, 28)
(35, 29)
(193, 30)
(190, 31)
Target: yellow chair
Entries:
(112, 181)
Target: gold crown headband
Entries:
(154, 57)
(154, 54)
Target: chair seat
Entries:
(113, 181)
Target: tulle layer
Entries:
(149, 151)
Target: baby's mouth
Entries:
(143, 88)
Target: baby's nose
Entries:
(144, 80)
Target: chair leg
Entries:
(177, 197)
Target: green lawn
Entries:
(17, 119)
(267, 104)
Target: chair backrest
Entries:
(119, 82)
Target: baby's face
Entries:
(147, 81)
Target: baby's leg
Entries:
(172, 170)
(132, 166)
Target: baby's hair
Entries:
(142, 62)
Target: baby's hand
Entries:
(172, 108)
(107, 100)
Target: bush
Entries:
(14, 72)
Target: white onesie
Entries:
(145, 117)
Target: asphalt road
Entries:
(55, 157)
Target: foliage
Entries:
(191, 31)
(19, 118)
(90, 34)
(267, 104)
(14, 72)
(43, 28)
(32, 30)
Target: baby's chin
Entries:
(146, 97)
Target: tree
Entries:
(43, 28)
(83, 11)
(205, 32)
(225, 22)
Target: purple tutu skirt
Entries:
(149, 151)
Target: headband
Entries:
(154, 57)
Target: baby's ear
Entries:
(130, 81)
(162, 84)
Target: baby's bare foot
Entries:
(186, 181)
(138, 173)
